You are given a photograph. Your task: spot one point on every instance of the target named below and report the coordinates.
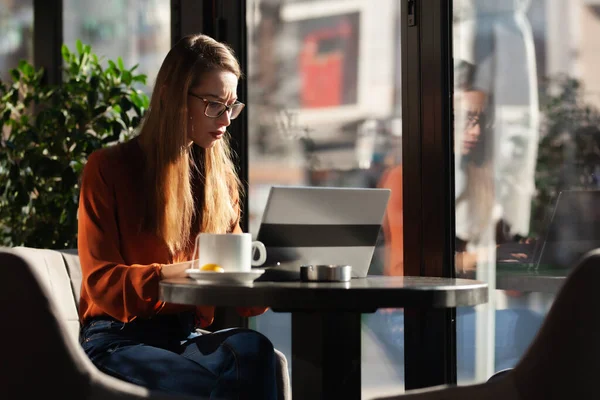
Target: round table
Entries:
(531, 280)
(326, 332)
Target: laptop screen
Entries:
(573, 230)
(322, 225)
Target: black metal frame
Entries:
(428, 181)
(188, 17)
(230, 27)
(48, 38)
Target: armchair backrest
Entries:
(74, 269)
(60, 274)
(41, 352)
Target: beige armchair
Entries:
(40, 333)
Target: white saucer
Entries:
(212, 277)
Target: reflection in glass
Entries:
(526, 140)
(328, 60)
(138, 31)
(16, 35)
(496, 139)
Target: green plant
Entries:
(569, 148)
(48, 131)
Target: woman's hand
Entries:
(466, 262)
(176, 270)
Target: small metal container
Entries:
(325, 273)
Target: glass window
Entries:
(527, 118)
(138, 31)
(324, 110)
(16, 35)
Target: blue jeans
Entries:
(162, 355)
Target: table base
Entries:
(326, 355)
(429, 347)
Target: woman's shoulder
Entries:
(112, 161)
(391, 177)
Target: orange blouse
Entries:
(120, 262)
(393, 223)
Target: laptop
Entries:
(320, 225)
(572, 230)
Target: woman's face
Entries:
(473, 105)
(472, 132)
(216, 87)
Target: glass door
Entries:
(324, 110)
(526, 139)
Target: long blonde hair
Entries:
(172, 170)
(479, 191)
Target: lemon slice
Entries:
(212, 267)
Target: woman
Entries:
(495, 38)
(142, 204)
(474, 179)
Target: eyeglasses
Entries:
(214, 109)
(472, 121)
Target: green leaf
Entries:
(40, 74)
(15, 74)
(14, 172)
(79, 46)
(83, 61)
(125, 119)
(120, 63)
(29, 70)
(126, 77)
(125, 104)
(117, 127)
(66, 54)
(14, 98)
(94, 82)
(135, 121)
(115, 92)
(74, 69)
(92, 98)
(140, 78)
(100, 110)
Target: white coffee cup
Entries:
(231, 251)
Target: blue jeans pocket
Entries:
(99, 336)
